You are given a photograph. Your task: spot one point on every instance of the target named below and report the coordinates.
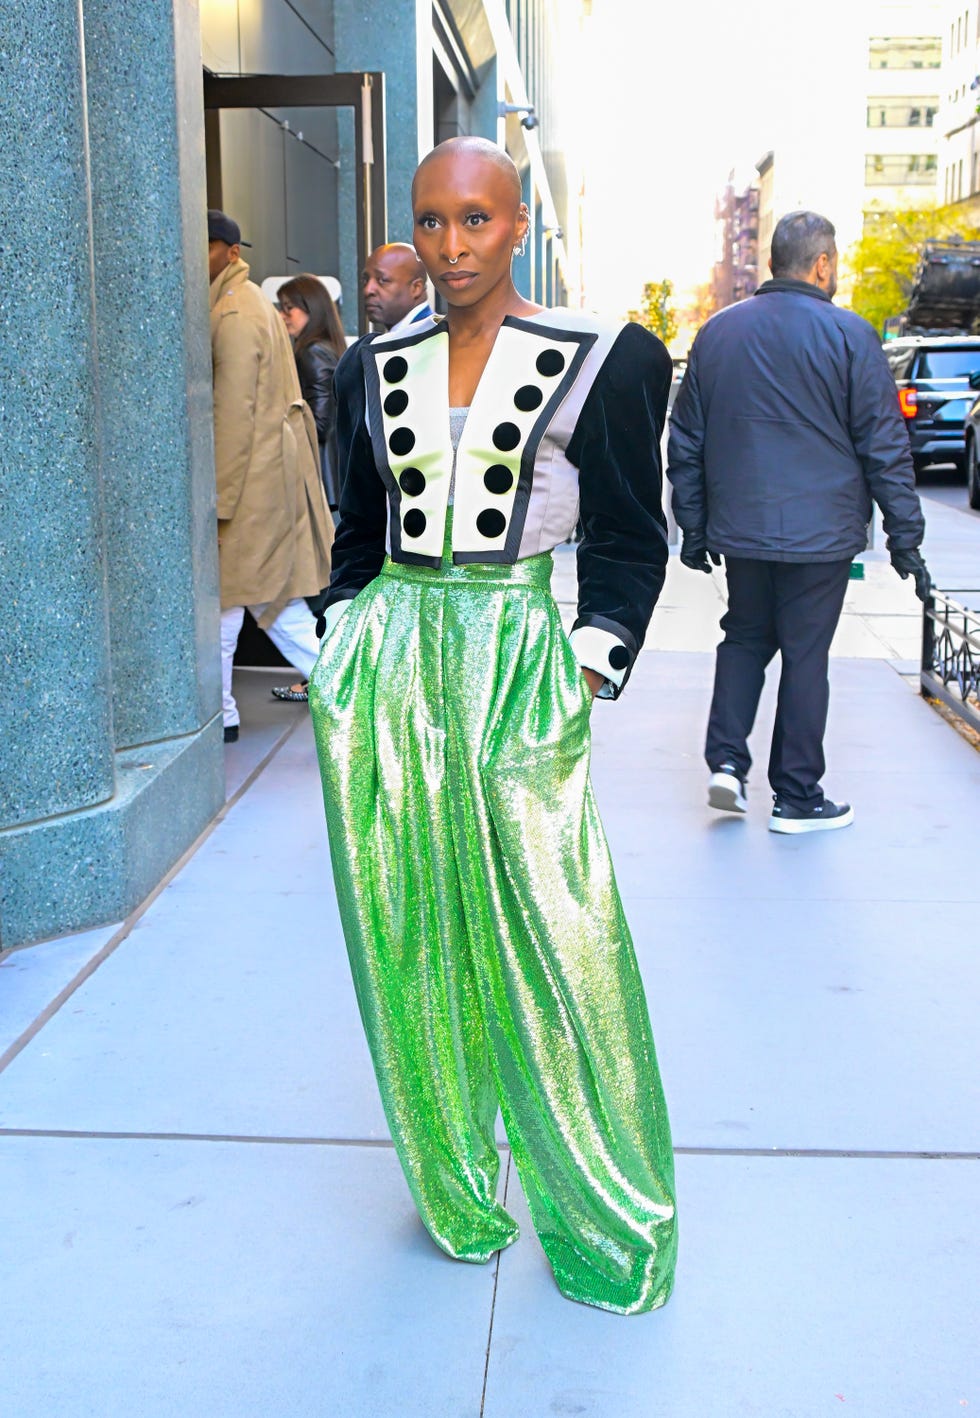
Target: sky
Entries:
(669, 95)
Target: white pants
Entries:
(293, 632)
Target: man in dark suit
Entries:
(786, 427)
(394, 285)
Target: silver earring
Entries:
(521, 246)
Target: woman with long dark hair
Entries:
(318, 339)
(491, 958)
(318, 343)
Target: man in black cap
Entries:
(274, 528)
(224, 243)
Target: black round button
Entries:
(395, 369)
(413, 523)
(396, 403)
(412, 482)
(619, 657)
(506, 436)
(401, 442)
(528, 397)
(549, 363)
(490, 522)
(498, 479)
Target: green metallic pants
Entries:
(491, 958)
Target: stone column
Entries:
(110, 742)
(56, 727)
(401, 48)
(150, 235)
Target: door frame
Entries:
(363, 91)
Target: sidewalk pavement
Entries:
(202, 1212)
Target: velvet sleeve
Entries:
(359, 546)
(622, 557)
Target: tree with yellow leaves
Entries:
(657, 313)
(883, 261)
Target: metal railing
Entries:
(951, 654)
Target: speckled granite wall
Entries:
(150, 231)
(55, 720)
(361, 42)
(108, 576)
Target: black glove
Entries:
(909, 563)
(695, 553)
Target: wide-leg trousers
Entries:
(490, 954)
(792, 607)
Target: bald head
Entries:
(393, 281)
(474, 150)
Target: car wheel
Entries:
(972, 474)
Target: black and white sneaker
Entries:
(823, 818)
(726, 790)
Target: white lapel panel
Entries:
(414, 392)
(522, 376)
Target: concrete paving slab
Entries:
(30, 979)
(198, 1280)
(265, 721)
(806, 1287)
(232, 1017)
(845, 1026)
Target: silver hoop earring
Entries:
(521, 246)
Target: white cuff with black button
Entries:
(599, 650)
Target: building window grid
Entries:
(906, 52)
(902, 112)
(899, 169)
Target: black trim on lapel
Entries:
(584, 340)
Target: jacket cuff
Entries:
(609, 649)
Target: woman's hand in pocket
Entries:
(594, 680)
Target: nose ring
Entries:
(452, 262)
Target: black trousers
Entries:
(792, 607)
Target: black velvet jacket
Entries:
(565, 424)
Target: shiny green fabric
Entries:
(490, 954)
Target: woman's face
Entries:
(294, 318)
(467, 213)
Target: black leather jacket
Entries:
(315, 365)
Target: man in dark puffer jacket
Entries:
(786, 427)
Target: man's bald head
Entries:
(393, 281)
(475, 150)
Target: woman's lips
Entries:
(458, 278)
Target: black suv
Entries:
(932, 373)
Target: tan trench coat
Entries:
(274, 526)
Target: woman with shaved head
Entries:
(491, 958)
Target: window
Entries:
(899, 170)
(948, 364)
(902, 112)
(915, 52)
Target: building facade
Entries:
(959, 144)
(736, 272)
(288, 172)
(110, 717)
(903, 94)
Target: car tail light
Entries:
(908, 402)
